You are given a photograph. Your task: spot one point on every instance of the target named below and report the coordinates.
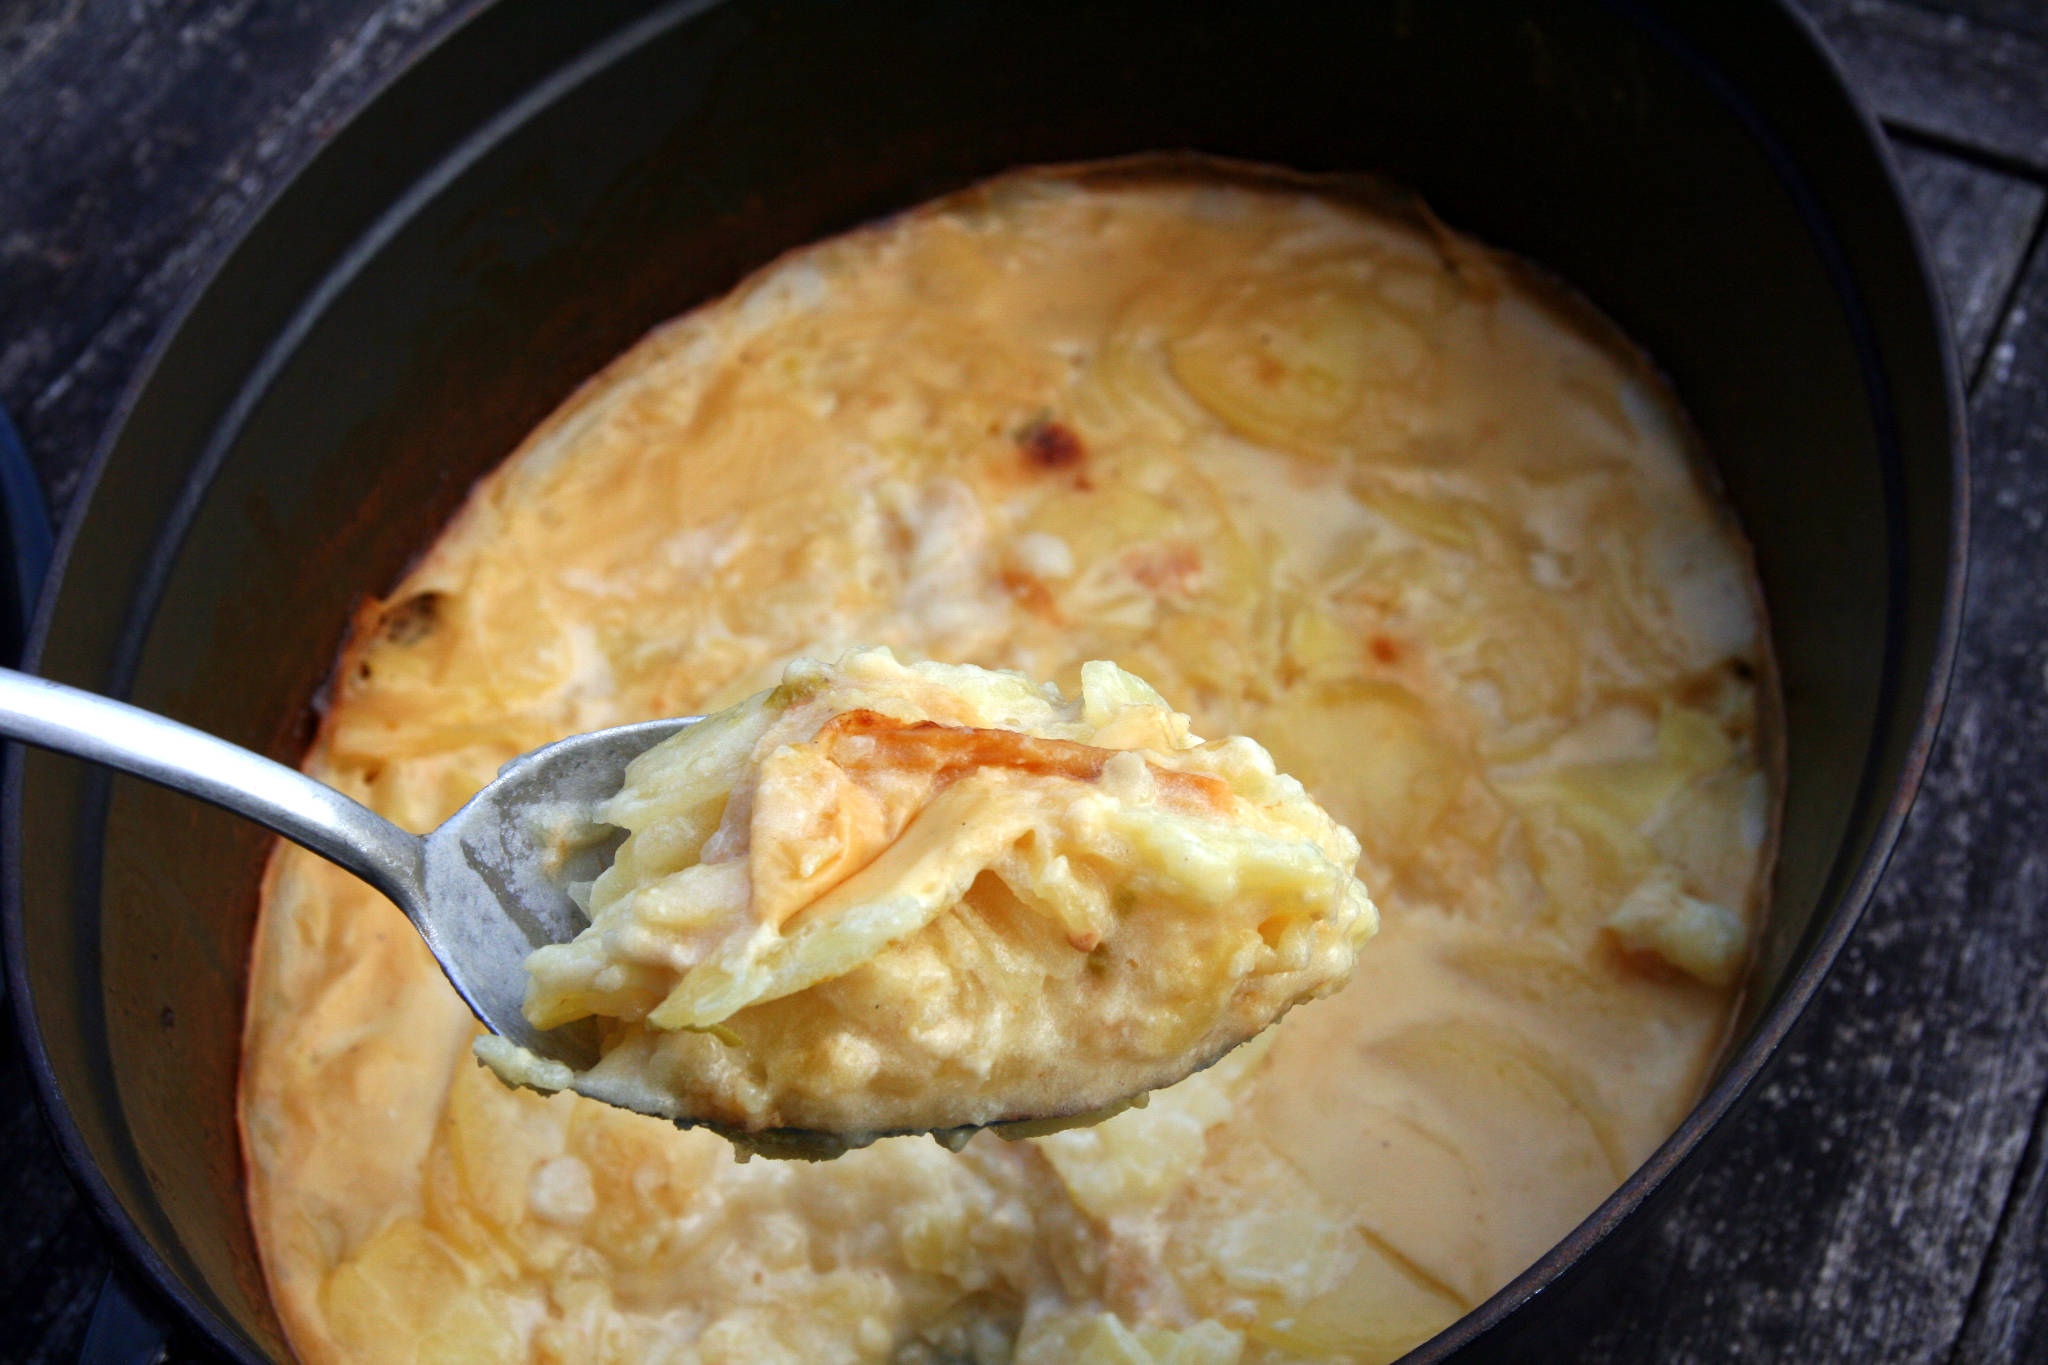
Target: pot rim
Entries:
(1743, 1064)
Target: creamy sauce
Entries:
(1326, 476)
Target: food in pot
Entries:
(887, 898)
(1320, 470)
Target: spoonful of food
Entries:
(881, 898)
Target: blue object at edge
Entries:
(121, 1331)
(29, 542)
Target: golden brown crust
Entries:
(869, 739)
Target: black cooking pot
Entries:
(552, 180)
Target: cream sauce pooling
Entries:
(1330, 478)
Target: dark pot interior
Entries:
(554, 179)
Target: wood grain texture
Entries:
(2015, 16)
(1978, 224)
(155, 131)
(1994, 800)
(2009, 1317)
(1953, 76)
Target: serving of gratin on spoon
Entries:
(878, 899)
(889, 898)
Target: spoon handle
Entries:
(53, 716)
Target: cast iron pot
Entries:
(551, 180)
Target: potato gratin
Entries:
(1322, 472)
(887, 898)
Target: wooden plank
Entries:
(27, 29)
(2008, 1317)
(2018, 16)
(1978, 224)
(1948, 76)
(2008, 697)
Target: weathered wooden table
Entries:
(1885, 1193)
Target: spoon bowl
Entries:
(494, 878)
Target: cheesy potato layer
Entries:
(887, 898)
(1322, 472)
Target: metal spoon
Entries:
(484, 890)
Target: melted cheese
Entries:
(1326, 475)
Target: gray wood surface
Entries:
(1978, 225)
(1882, 1196)
(2028, 17)
(143, 138)
(1963, 77)
(1986, 816)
